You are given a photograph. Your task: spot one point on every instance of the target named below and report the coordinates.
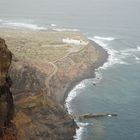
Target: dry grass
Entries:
(38, 45)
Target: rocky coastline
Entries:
(44, 69)
(90, 72)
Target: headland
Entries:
(46, 65)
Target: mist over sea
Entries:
(115, 25)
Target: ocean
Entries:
(115, 25)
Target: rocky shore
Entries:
(44, 69)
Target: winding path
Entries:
(55, 68)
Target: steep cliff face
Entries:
(38, 115)
(7, 128)
(40, 118)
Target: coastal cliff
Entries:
(7, 128)
(44, 69)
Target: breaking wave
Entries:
(53, 25)
(28, 25)
(115, 56)
(80, 131)
(72, 95)
(23, 25)
(104, 38)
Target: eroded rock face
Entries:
(5, 61)
(7, 130)
(39, 119)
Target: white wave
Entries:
(65, 29)
(72, 95)
(98, 41)
(79, 133)
(53, 25)
(80, 130)
(115, 57)
(104, 38)
(131, 50)
(98, 77)
(102, 41)
(81, 124)
(1, 20)
(24, 25)
(137, 58)
(138, 47)
(68, 101)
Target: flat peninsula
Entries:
(46, 65)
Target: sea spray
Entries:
(80, 131)
(74, 92)
(23, 25)
(29, 25)
(53, 25)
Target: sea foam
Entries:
(73, 93)
(138, 47)
(68, 104)
(53, 25)
(115, 57)
(104, 38)
(80, 131)
(137, 58)
(23, 25)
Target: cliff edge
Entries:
(7, 127)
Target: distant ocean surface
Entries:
(115, 25)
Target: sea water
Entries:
(115, 25)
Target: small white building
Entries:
(75, 41)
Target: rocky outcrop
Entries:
(38, 116)
(7, 128)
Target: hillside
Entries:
(46, 66)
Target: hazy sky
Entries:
(19, 7)
(113, 12)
